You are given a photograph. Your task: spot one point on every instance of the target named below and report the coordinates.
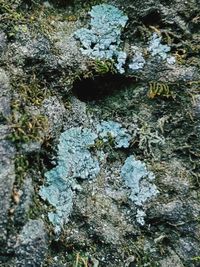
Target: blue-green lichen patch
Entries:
(114, 130)
(140, 181)
(137, 61)
(102, 39)
(156, 48)
(74, 161)
(74, 154)
(59, 194)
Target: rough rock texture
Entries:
(31, 246)
(7, 178)
(7, 152)
(151, 112)
(26, 195)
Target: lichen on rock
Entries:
(74, 161)
(156, 48)
(102, 40)
(115, 130)
(140, 182)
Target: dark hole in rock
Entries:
(57, 246)
(152, 18)
(96, 88)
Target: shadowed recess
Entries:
(96, 88)
(152, 18)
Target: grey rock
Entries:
(176, 211)
(7, 178)
(24, 203)
(54, 110)
(4, 83)
(31, 245)
(187, 248)
(30, 51)
(4, 93)
(31, 147)
(4, 131)
(3, 41)
(171, 260)
(70, 56)
(5, 106)
(77, 114)
(7, 153)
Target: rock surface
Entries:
(49, 88)
(31, 246)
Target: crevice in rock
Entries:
(98, 87)
(152, 18)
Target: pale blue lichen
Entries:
(74, 155)
(102, 40)
(140, 215)
(60, 195)
(74, 161)
(140, 182)
(160, 50)
(138, 61)
(114, 130)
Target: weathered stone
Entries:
(4, 94)
(7, 178)
(171, 260)
(3, 41)
(31, 245)
(187, 248)
(175, 211)
(25, 200)
(102, 223)
(54, 110)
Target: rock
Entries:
(4, 83)
(20, 215)
(77, 114)
(70, 56)
(102, 224)
(187, 248)
(31, 245)
(31, 147)
(3, 41)
(171, 260)
(31, 50)
(54, 110)
(7, 178)
(4, 93)
(175, 212)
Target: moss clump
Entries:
(21, 168)
(157, 89)
(30, 92)
(102, 67)
(27, 127)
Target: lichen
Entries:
(60, 195)
(138, 61)
(115, 130)
(102, 40)
(140, 182)
(73, 161)
(157, 49)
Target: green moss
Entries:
(27, 127)
(21, 168)
(157, 89)
(102, 67)
(30, 92)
